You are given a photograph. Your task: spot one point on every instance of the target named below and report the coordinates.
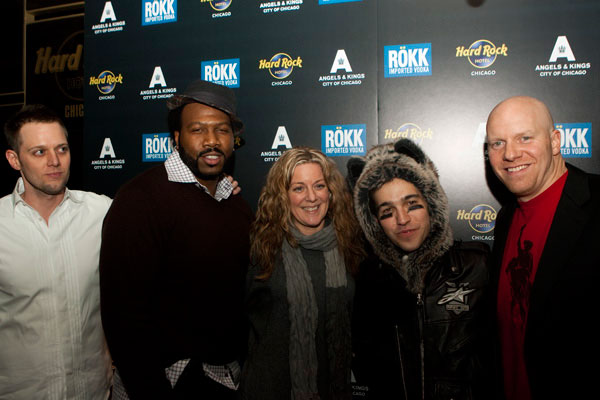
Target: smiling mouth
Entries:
(212, 159)
(311, 209)
(516, 169)
(407, 232)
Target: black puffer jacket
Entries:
(422, 321)
(437, 340)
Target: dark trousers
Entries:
(193, 384)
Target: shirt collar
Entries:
(178, 172)
(17, 195)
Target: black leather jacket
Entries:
(432, 345)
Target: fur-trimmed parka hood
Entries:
(404, 160)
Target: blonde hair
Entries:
(273, 217)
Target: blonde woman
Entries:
(305, 245)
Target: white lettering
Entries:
(107, 149)
(340, 62)
(108, 12)
(562, 49)
(281, 139)
(157, 78)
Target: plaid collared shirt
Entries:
(227, 375)
(177, 171)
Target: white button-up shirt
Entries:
(51, 340)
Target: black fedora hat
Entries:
(213, 95)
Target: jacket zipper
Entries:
(420, 317)
(401, 362)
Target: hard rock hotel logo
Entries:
(280, 67)
(408, 131)
(481, 218)
(482, 54)
(106, 82)
(220, 6)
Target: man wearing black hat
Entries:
(173, 261)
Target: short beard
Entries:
(47, 189)
(192, 163)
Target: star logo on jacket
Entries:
(456, 297)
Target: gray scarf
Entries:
(303, 314)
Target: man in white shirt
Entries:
(51, 340)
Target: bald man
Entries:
(547, 258)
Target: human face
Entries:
(523, 147)
(309, 198)
(205, 140)
(402, 214)
(43, 158)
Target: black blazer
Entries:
(562, 340)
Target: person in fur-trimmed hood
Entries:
(421, 326)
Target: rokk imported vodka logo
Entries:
(157, 88)
(107, 158)
(272, 7)
(156, 146)
(343, 140)
(562, 61)
(106, 82)
(575, 139)
(408, 131)
(482, 54)
(280, 67)
(158, 11)
(281, 143)
(407, 60)
(222, 72)
(341, 73)
(108, 21)
(220, 6)
(481, 218)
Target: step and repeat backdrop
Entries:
(341, 76)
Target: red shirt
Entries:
(524, 245)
